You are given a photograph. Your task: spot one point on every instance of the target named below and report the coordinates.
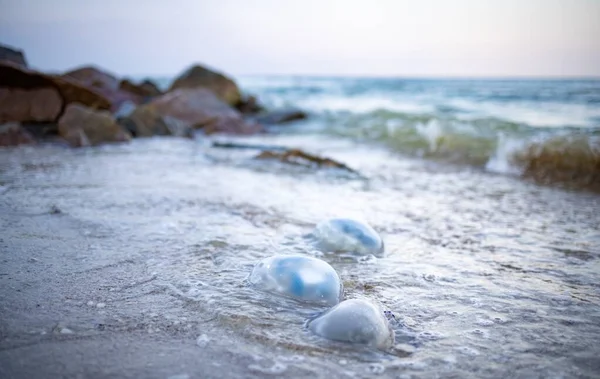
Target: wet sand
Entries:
(130, 261)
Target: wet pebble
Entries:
(300, 277)
(202, 340)
(348, 236)
(356, 321)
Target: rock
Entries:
(12, 134)
(350, 236)
(281, 116)
(103, 83)
(8, 54)
(94, 77)
(200, 108)
(355, 321)
(81, 126)
(201, 77)
(125, 110)
(300, 277)
(249, 105)
(30, 96)
(144, 90)
(146, 121)
(35, 104)
(151, 88)
(73, 92)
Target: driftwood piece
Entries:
(233, 145)
(289, 155)
(302, 158)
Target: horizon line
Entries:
(391, 76)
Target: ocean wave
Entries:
(568, 156)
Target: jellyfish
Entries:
(356, 321)
(347, 235)
(300, 277)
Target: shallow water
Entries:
(487, 276)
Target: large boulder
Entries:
(180, 111)
(30, 96)
(145, 89)
(13, 134)
(94, 77)
(103, 83)
(201, 77)
(8, 54)
(33, 105)
(82, 126)
(201, 109)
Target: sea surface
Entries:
(132, 260)
(548, 130)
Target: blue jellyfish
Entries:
(347, 235)
(300, 277)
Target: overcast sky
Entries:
(340, 37)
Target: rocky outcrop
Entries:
(103, 83)
(199, 108)
(145, 89)
(81, 126)
(13, 134)
(11, 55)
(30, 96)
(202, 77)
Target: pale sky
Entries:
(314, 37)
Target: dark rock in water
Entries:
(13, 134)
(146, 89)
(199, 108)
(281, 116)
(82, 126)
(201, 77)
(249, 105)
(105, 84)
(41, 130)
(8, 54)
(146, 121)
(30, 96)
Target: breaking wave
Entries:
(549, 155)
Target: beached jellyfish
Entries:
(347, 235)
(356, 321)
(301, 277)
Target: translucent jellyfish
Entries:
(346, 235)
(304, 278)
(356, 321)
